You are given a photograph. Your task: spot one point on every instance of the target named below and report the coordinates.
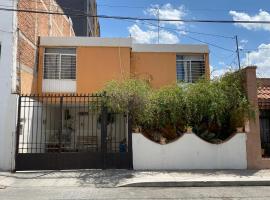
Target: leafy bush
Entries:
(238, 107)
(165, 111)
(213, 108)
(218, 107)
(130, 95)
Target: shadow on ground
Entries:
(113, 178)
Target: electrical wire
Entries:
(141, 19)
(198, 40)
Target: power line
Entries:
(200, 33)
(208, 34)
(211, 44)
(256, 49)
(175, 30)
(191, 9)
(111, 17)
(141, 19)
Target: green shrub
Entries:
(213, 108)
(166, 111)
(206, 104)
(238, 107)
(129, 95)
(218, 107)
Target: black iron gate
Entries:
(57, 132)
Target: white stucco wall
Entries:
(8, 101)
(32, 136)
(53, 85)
(189, 152)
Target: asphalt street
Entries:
(89, 193)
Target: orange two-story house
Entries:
(65, 126)
(84, 65)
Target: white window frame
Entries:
(59, 64)
(189, 78)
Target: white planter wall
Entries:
(189, 152)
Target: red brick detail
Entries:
(33, 25)
(26, 53)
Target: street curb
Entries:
(196, 184)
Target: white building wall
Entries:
(189, 152)
(8, 101)
(53, 85)
(32, 136)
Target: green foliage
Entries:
(213, 108)
(238, 107)
(218, 107)
(130, 95)
(166, 107)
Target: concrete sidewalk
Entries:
(129, 178)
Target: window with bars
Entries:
(189, 69)
(60, 63)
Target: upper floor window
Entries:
(190, 68)
(60, 63)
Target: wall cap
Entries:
(121, 42)
(250, 67)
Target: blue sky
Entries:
(253, 39)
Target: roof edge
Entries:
(85, 41)
(122, 42)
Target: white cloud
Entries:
(242, 43)
(167, 11)
(261, 59)
(141, 36)
(218, 72)
(221, 63)
(149, 33)
(261, 16)
(149, 36)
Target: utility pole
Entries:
(248, 57)
(237, 51)
(158, 22)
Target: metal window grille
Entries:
(189, 68)
(59, 64)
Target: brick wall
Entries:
(31, 26)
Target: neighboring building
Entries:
(91, 62)
(264, 107)
(30, 27)
(83, 25)
(18, 61)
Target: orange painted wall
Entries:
(98, 65)
(95, 67)
(29, 83)
(158, 68)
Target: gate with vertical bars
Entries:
(57, 132)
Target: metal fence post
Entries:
(104, 114)
(18, 128)
(130, 152)
(61, 123)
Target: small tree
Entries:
(166, 111)
(130, 95)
